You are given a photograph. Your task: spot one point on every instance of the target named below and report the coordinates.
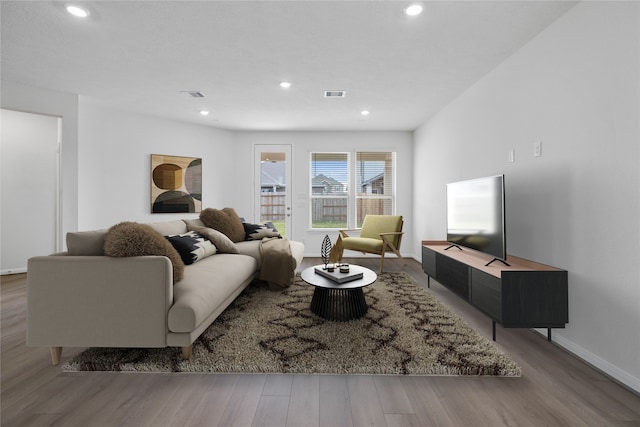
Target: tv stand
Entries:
(519, 294)
(452, 246)
(497, 259)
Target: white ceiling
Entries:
(139, 56)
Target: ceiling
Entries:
(140, 55)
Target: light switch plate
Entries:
(537, 149)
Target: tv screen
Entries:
(475, 215)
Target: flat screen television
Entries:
(476, 216)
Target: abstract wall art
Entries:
(176, 184)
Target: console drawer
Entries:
(486, 294)
(429, 261)
(453, 274)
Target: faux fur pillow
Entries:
(129, 239)
(221, 241)
(225, 221)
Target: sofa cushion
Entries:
(206, 286)
(192, 246)
(129, 239)
(86, 243)
(168, 228)
(225, 221)
(221, 242)
(252, 248)
(373, 225)
(195, 222)
(259, 231)
(367, 244)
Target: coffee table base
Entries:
(339, 304)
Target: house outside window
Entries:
(374, 175)
(329, 190)
(347, 186)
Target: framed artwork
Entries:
(176, 184)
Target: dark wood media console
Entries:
(524, 294)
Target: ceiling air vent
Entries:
(193, 93)
(335, 93)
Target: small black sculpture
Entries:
(325, 250)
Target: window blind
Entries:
(329, 190)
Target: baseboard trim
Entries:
(13, 271)
(616, 374)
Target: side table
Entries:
(339, 301)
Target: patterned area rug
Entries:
(405, 331)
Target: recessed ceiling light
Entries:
(285, 85)
(204, 112)
(77, 11)
(364, 112)
(413, 9)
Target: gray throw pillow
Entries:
(86, 243)
(220, 241)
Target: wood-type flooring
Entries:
(556, 388)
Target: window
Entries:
(374, 184)
(342, 192)
(329, 190)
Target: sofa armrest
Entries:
(98, 301)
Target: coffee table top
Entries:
(311, 277)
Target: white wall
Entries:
(113, 167)
(65, 105)
(574, 87)
(29, 143)
(114, 157)
(303, 143)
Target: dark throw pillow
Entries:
(128, 239)
(192, 246)
(258, 231)
(225, 221)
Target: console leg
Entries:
(428, 281)
(494, 329)
(549, 334)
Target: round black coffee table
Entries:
(339, 301)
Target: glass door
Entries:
(273, 189)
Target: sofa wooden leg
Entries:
(56, 354)
(186, 352)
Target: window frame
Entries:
(352, 194)
(319, 196)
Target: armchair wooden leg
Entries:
(186, 352)
(56, 354)
(381, 261)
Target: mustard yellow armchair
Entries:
(379, 234)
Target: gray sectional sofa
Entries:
(82, 298)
